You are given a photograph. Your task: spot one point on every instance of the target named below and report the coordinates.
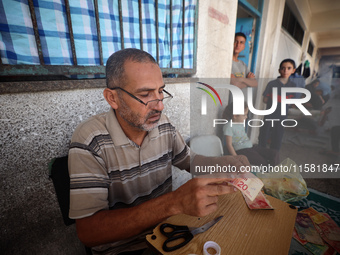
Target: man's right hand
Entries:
(199, 196)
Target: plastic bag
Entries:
(288, 186)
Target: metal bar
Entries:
(35, 70)
(171, 37)
(140, 23)
(121, 24)
(70, 30)
(257, 37)
(59, 85)
(157, 36)
(27, 86)
(183, 26)
(195, 38)
(95, 2)
(30, 70)
(36, 31)
(178, 71)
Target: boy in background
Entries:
(241, 76)
(273, 129)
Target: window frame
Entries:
(291, 25)
(9, 70)
(310, 48)
(257, 15)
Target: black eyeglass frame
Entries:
(139, 100)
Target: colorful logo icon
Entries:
(204, 97)
(209, 93)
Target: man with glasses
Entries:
(120, 162)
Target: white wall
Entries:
(267, 52)
(216, 29)
(287, 48)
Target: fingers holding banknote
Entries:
(199, 196)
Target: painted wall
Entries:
(288, 48)
(216, 29)
(267, 53)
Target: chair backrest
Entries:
(207, 145)
(61, 181)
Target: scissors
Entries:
(185, 233)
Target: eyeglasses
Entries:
(152, 103)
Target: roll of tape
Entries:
(211, 248)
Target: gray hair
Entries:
(115, 65)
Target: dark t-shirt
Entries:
(268, 92)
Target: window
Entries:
(292, 26)
(71, 37)
(310, 49)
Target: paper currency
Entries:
(330, 228)
(297, 238)
(317, 249)
(333, 245)
(306, 229)
(260, 202)
(248, 184)
(317, 217)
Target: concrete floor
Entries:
(42, 233)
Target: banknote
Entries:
(333, 245)
(317, 249)
(330, 228)
(248, 184)
(317, 217)
(306, 229)
(297, 238)
(260, 202)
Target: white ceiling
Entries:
(317, 6)
(325, 24)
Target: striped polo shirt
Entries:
(109, 171)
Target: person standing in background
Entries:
(241, 76)
(240, 73)
(274, 131)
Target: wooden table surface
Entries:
(240, 231)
